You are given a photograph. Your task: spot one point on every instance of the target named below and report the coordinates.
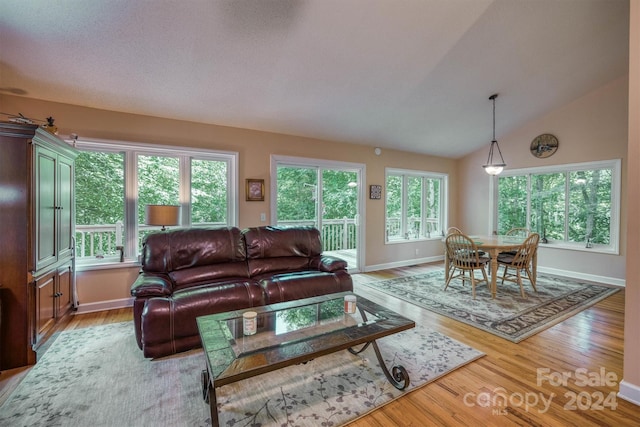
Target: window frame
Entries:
(131, 151)
(405, 174)
(614, 164)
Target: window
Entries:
(115, 181)
(99, 191)
(576, 206)
(415, 204)
(209, 192)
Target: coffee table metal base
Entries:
(398, 377)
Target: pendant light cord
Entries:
(493, 98)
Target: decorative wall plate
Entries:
(544, 145)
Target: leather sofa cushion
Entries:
(276, 242)
(209, 273)
(151, 285)
(192, 247)
(327, 263)
(304, 284)
(270, 265)
(169, 324)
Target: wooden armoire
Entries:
(36, 239)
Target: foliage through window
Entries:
(99, 194)
(570, 204)
(114, 182)
(209, 192)
(415, 204)
(323, 196)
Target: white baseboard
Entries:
(583, 276)
(104, 305)
(629, 392)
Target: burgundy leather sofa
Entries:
(187, 273)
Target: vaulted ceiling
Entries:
(413, 75)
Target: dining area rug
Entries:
(509, 315)
(98, 377)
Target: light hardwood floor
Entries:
(591, 340)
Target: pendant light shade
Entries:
(494, 166)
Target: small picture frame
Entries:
(375, 191)
(255, 190)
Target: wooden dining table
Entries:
(493, 245)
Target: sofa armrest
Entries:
(327, 263)
(151, 285)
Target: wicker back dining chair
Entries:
(518, 231)
(464, 259)
(452, 230)
(520, 261)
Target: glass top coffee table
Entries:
(290, 333)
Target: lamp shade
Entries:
(494, 167)
(162, 215)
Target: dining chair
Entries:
(464, 258)
(456, 230)
(520, 261)
(452, 230)
(516, 232)
(449, 266)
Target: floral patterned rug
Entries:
(508, 316)
(98, 377)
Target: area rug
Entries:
(98, 377)
(508, 316)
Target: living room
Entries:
(592, 126)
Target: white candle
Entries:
(250, 324)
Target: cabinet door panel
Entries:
(45, 313)
(65, 207)
(63, 303)
(45, 227)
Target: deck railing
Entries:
(337, 234)
(394, 228)
(98, 241)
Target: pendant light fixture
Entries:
(494, 167)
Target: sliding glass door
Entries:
(323, 195)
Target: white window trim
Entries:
(615, 164)
(131, 150)
(444, 202)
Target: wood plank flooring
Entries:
(504, 387)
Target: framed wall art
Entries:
(375, 191)
(255, 190)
